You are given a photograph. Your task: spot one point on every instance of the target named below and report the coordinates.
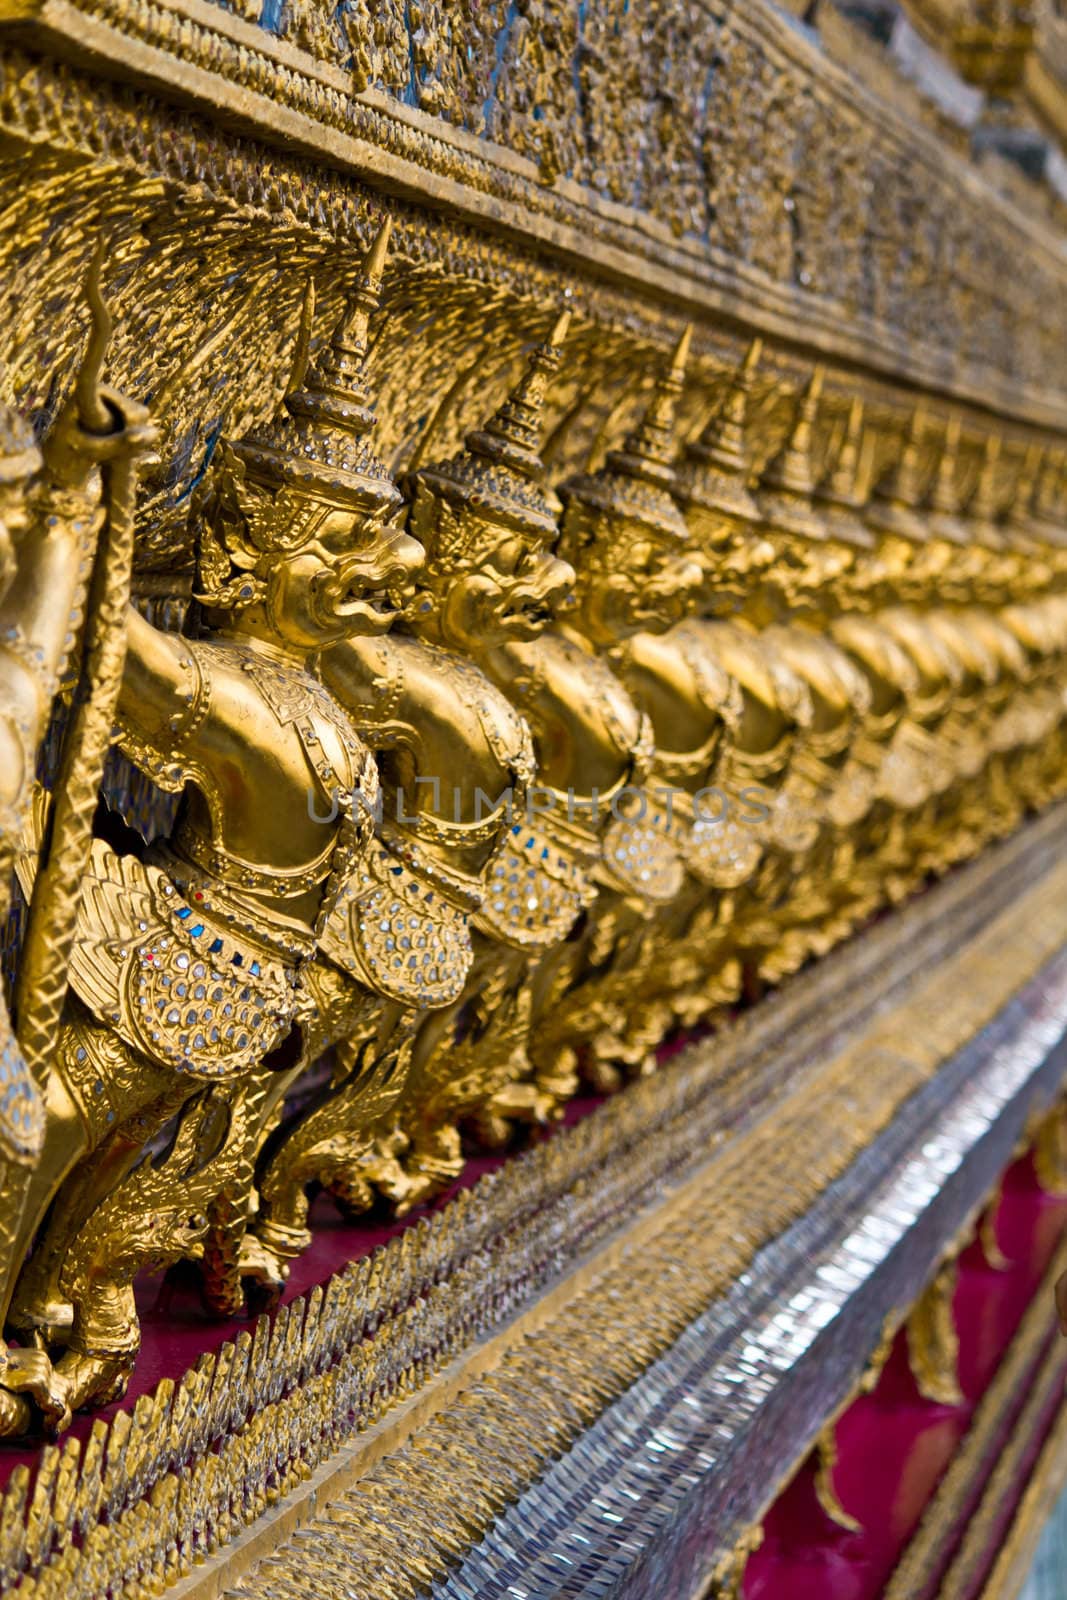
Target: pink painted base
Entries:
(894, 1446)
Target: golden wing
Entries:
(116, 909)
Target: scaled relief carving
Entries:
(488, 786)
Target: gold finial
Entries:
(841, 486)
(896, 496)
(680, 359)
(336, 391)
(719, 464)
(791, 469)
(500, 470)
(788, 482)
(513, 434)
(317, 444)
(944, 519)
(559, 332)
(649, 451)
(374, 267)
(638, 481)
(838, 497)
(752, 356)
(723, 440)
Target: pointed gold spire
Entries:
(500, 471)
(838, 498)
(719, 464)
(513, 434)
(317, 444)
(638, 481)
(336, 392)
(894, 502)
(788, 482)
(649, 452)
(944, 521)
(680, 359)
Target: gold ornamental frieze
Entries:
(860, 232)
(521, 529)
(613, 662)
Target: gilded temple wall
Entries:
(757, 185)
(812, 353)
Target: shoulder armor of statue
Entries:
(388, 683)
(716, 687)
(165, 761)
(506, 730)
(791, 694)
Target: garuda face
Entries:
(300, 567)
(639, 584)
(492, 583)
(353, 577)
(804, 572)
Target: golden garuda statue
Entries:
(488, 789)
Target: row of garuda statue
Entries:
(486, 791)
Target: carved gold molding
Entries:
(1034, 1366)
(860, 154)
(335, 1373)
(1047, 1478)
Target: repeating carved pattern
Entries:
(697, 116)
(429, 602)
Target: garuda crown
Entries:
(788, 481)
(718, 465)
(636, 488)
(269, 491)
(896, 496)
(838, 498)
(497, 479)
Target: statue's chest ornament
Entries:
(534, 889)
(401, 926)
(199, 1000)
(172, 972)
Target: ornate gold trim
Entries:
(1035, 1362)
(203, 56)
(330, 1368)
(1048, 1478)
(933, 1343)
